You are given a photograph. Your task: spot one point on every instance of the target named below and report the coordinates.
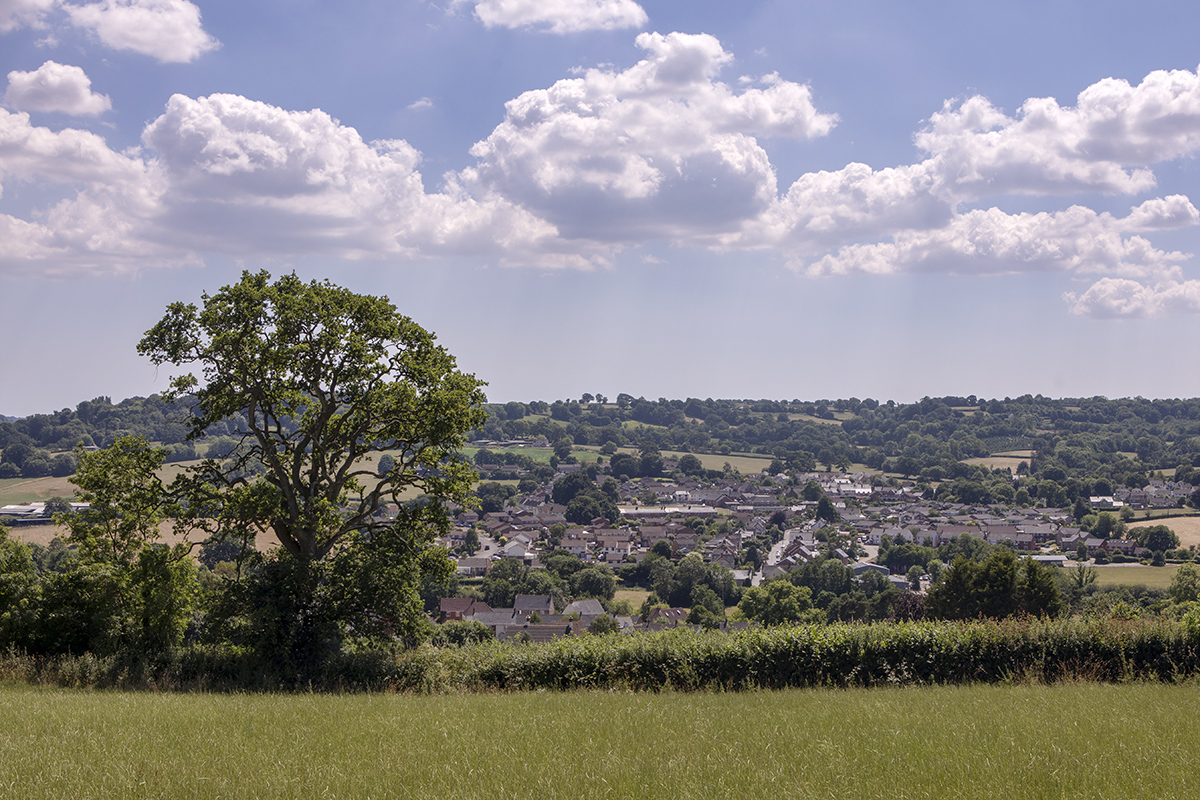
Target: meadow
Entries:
(1007, 741)
(1186, 528)
(1135, 575)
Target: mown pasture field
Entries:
(1136, 574)
(1008, 741)
(15, 491)
(1186, 528)
(997, 462)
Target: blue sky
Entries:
(713, 199)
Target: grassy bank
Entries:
(1018, 741)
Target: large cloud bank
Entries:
(168, 30)
(663, 149)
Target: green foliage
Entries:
(1185, 585)
(568, 487)
(19, 593)
(881, 654)
(776, 602)
(321, 380)
(586, 507)
(598, 582)
(1156, 538)
(493, 496)
(1001, 586)
(826, 511)
(386, 464)
(126, 501)
(126, 592)
(457, 633)
(471, 542)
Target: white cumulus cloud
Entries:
(16, 14)
(990, 241)
(248, 176)
(661, 149)
(168, 30)
(560, 16)
(612, 157)
(105, 226)
(54, 87)
(1105, 143)
(829, 208)
(29, 152)
(1118, 298)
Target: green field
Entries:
(539, 454)
(634, 596)
(1084, 740)
(14, 491)
(997, 462)
(1135, 574)
(747, 465)
(1186, 528)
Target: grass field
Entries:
(1186, 528)
(14, 491)
(1131, 741)
(998, 462)
(44, 534)
(1134, 574)
(635, 596)
(747, 465)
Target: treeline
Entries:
(1120, 442)
(43, 444)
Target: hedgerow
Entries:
(842, 655)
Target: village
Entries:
(674, 510)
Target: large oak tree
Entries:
(321, 383)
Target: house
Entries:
(1124, 546)
(615, 545)
(474, 566)
(668, 617)
(587, 610)
(1105, 502)
(576, 547)
(500, 620)
(650, 534)
(724, 559)
(528, 603)
(458, 608)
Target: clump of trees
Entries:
(1000, 586)
(318, 382)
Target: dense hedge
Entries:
(834, 655)
(843, 655)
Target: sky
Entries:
(710, 198)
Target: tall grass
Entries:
(1016, 741)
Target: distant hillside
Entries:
(1123, 441)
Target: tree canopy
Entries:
(326, 380)
(322, 382)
